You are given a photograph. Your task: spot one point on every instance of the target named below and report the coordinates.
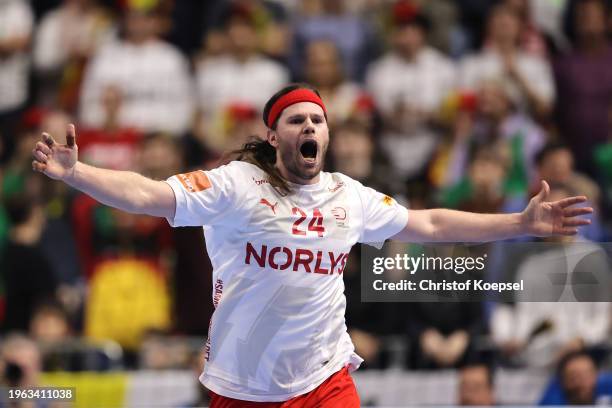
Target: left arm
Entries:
(540, 218)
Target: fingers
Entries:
(71, 135)
(575, 222)
(40, 156)
(48, 139)
(573, 212)
(568, 231)
(544, 191)
(566, 202)
(38, 166)
(43, 148)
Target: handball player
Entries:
(278, 231)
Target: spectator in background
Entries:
(111, 145)
(496, 124)
(353, 151)
(482, 189)
(240, 79)
(578, 383)
(50, 324)
(443, 333)
(26, 272)
(501, 59)
(476, 386)
(546, 321)
(531, 41)
(353, 37)
(152, 76)
(584, 82)
(344, 99)
(16, 22)
(408, 85)
(272, 28)
(20, 363)
(66, 39)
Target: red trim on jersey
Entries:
(290, 98)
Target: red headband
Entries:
(295, 96)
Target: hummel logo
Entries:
(338, 186)
(260, 182)
(266, 202)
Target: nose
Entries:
(309, 127)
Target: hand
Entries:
(510, 66)
(54, 160)
(543, 219)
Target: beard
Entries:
(293, 162)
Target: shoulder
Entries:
(338, 181)
(239, 168)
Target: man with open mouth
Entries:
(278, 232)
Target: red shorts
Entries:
(337, 391)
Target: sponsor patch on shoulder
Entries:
(388, 200)
(194, 181)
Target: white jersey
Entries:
(278, 329)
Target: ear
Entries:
(272, 137)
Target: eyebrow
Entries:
(302, 115)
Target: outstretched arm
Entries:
(540, 218)
(124, 190)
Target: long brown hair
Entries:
(262, 154)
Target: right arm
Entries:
(124, 190)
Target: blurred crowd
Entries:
(463, 104)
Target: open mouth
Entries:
(308, 149)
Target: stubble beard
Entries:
(290, 159)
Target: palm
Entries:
(53, 159)
(554, 218)
(61, 159)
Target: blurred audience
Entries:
(578, 383)
(20, 362)
(538, 334)
(444, 333)
(498, 126)
(66, 38)
(408, 85)
(529, 78)
(584, 82)
(17, 21)
(344, 100)
(151, 76)
(476, 385)
(234, 86)
(331, 20)
(50, 324)
(26, 273)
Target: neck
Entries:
(505, 46)
(293, 178)
(243, 55)
(408, 56)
